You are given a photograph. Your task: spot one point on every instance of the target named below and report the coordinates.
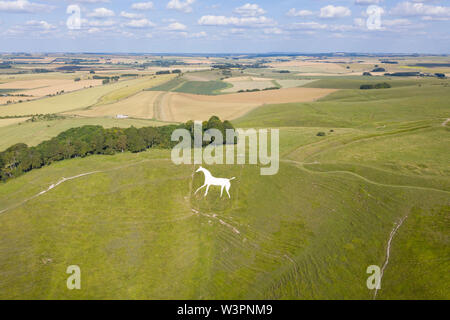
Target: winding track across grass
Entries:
(444, 124)
(72, 178)
(388, 252)
(301, 166)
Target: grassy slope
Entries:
(357, 108)
(308, 232)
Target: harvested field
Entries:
(248, 83)
(7, 122)
(138, 106)
(181, 107)
(33, 89)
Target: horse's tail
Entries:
(233, 178)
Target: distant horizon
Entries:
(335, 53)
(206, 26)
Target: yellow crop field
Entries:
(181, 107)
(7, 122)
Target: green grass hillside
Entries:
(134, 226)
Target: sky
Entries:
(225, 26)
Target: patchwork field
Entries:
(84, 98)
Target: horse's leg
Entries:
(200, 188)
(221, 191)
(207, 189)
(228, 191)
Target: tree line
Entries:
(91, 140)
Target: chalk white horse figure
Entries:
(211, 181)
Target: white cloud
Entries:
(23, 6)
(140, 24)
(91, 1)
(299, 13)
(420, 9)
(101, 23)
(101, 13)
(308, 26)
(272, 31)
(179, 5)
(396, 22)
(176, 26)
(40, 24)
(367, 2)
(201, 34)
(142, 6)
(129, 15)
(235, 21)
(250, 10)
(334, 12)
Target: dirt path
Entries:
(48, 189)
(215, 217)
(76, 177)
(388, 252)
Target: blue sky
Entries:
(231, 26)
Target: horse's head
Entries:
(199, 169)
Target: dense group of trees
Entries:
(383, 85)
(176, 71)
(90, 140)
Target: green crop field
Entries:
(137, 230)
(203, 87)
